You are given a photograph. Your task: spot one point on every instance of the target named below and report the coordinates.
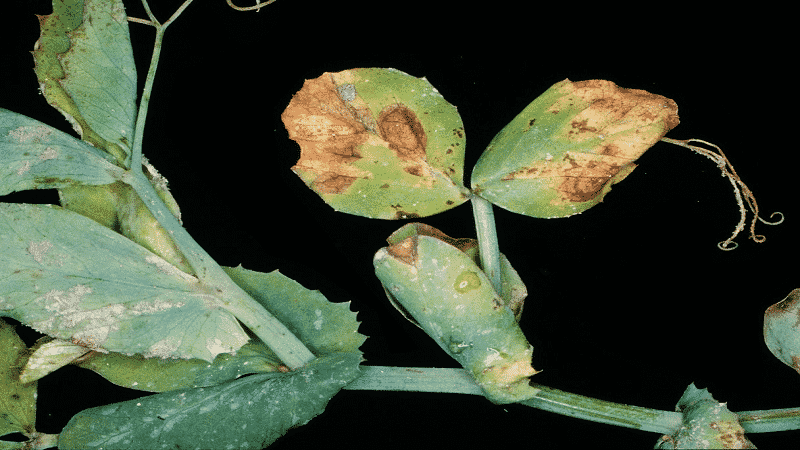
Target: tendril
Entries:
(257, 7)
(739, 187)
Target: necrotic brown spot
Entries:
(400, 127)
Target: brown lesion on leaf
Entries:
(417, 170)
(329, 133)
(618, 126)
(401, 128)
(405, 250)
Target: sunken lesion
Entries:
(402, 130)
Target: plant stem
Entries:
(272, 332)
(488, 247)
(292, 352)
(458, 381)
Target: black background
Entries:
(629, 302)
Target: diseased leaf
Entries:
(17, 400)
(249, 413)
(782, 331)
(451, 298)
(37, 156)
(161, 375)
(514, 290)
(76, 280)
(49, 355)
(563, 152)
(324, 327)
(378, 143)
(85, 67)
(706, 424)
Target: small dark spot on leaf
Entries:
(405, 215)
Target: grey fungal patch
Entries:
(166, 267)
(48, 153)
(25, 167)
(65, 303)
(38, 250)
(33, 134)
(347, 92)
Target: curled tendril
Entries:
(738, 188)
(257, 7)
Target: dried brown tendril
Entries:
(728, 171)
(257, 6)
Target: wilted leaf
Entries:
(76, 280)
(706, 424)
(49, 355)
(378, 143)
(781, 332)
(249, 413)
(17, 401)
(563, 152)
(84, 63)
(37, 156)
(450, 298)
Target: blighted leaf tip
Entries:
(564, 151)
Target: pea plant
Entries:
(105, 282)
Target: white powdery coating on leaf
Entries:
(164, 348)
(165, 266)
(65, 303)
(153, 307)
(49, 153)
(38, 249)
(35, 134)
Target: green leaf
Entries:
(76, 280)
(17, 400)
(781, 331)
(161, 375)
(36, 156)
(563, 152)
(706, 424)
(451, 298)
(251, 412)
(378, 143)
(85, 67)
(324, 327)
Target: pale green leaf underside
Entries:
(37, 156)
(76, 280)
(161, 375)
(250, 412)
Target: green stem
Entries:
(136, 153)
(458, 381)
(272, 332)
(488, 247)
